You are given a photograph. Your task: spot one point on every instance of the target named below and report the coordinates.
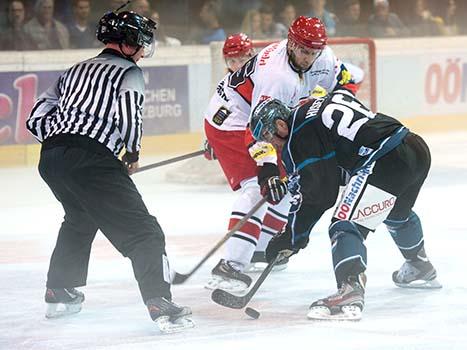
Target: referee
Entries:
(84, 121)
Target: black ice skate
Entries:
(346, 304)
(416, 273)
(227, 275)
(258, 263)
(168, 316)
(62, 302)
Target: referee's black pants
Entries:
(97, 193)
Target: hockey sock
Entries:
(407, 234)
(348, 250)
(241, 245)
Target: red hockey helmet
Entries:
(237, 45)
(309, 32)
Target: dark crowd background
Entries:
(70, 24)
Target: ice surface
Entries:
(194, 218)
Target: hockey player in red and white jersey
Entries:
(288, 71)
(226, 135)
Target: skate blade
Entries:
(420, 284)
(259, 267)
(229, 285)
(168, 327)
(56, 310)
(348, 313)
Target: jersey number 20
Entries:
(350, 111)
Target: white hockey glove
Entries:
(263, 152)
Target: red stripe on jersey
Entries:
(246, 90)
(247, 228)
(273, 222)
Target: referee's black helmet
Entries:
(126, 27)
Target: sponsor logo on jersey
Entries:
(375, 209)
(220, 116)
(352, 192)
(293, 185)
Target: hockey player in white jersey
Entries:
(288, 71)
(226, 134)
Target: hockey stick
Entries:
(179, 278)
(226, 299)
(169, 161)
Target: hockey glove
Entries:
(208, 151)
(280, 243)
(130, 162)
(262, 153)
(272, 187)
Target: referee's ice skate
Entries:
(168, 316)
(63, 302)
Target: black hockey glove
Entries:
(129, 158)
(208, 151)
(280, 243)
(272, 187)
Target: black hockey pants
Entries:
(97, 193)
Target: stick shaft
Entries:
(169, 161)
(180, 278)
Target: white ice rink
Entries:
(194, 218)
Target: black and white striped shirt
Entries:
(101, 98)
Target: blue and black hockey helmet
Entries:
(263, 120)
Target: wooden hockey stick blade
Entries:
(180, 278)
(227, 299)
(169, 161)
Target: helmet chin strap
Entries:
(124, 54)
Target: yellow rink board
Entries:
(28, 155)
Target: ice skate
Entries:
(62, 302)
(258, 263)
(417, 273)
(168, 316)
(346, 304)
(227, 275)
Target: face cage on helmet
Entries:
(148, 42)
(264, 132)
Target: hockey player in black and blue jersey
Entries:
(385, 164)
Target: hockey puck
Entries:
(252, 313)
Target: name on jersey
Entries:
(267, 53)
(220, 91)
(314, 108)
